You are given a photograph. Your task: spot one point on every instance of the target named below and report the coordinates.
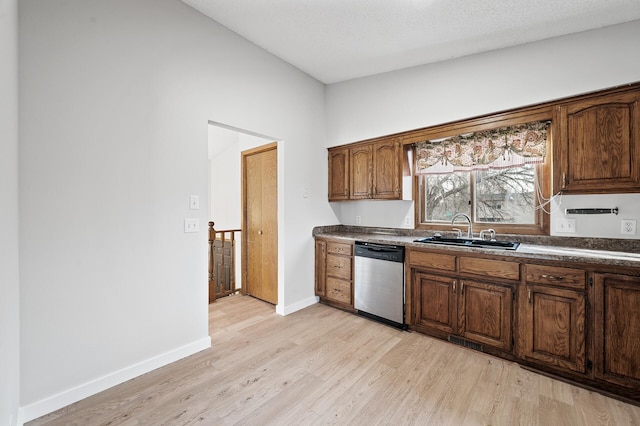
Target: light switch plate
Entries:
(194, 202)
(191, 225)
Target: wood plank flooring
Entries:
(322, 366)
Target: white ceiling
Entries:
(337, 40)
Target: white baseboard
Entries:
(62, 399)
(289, 309)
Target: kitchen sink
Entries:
(468, 242)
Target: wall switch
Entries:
(566, 225)
(358, 220)
(194, 202)
(191, 225)
(628, 227)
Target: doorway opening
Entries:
(225, 147)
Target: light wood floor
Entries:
(322, 366)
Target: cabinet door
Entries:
(386, 170)
(617, 329)
(321, 267)
(485, 313)
(434, 302)
(600, 144)
(338, 174)
(361, 169)
(553, 326)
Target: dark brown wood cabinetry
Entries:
(334, 272)
(553, 317)
(599, 144)
(361, 172)
(387, 170)
(485, 313)
(617, 330)
(454, 304)
(435, 304)
(370, 170)
(339, 174)
(321, 268)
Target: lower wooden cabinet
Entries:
(485, 313)
(435, 304)
(553, 326)
(334, 272)
(478, 311)
(321, 268)
(617, 329)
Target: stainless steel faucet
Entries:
(470, 229)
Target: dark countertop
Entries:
(604, 251)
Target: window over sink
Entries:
(498, 177)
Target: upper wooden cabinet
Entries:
(366, 171)
(361, 172)
(598, 145)
(338, 174)
(387, 170)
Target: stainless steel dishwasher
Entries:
(379, 282)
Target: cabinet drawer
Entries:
(339, 290)
(490, 268)
(556, 275)
(339, 248)
(339, 266)
(445, 262)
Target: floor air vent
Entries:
(467, 344)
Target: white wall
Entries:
(9, 222)
(115, 99)
(481, 84)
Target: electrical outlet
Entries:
(566, 225)
(628, 227)
(358, 220)
(407, 221)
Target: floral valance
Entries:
(497, 148)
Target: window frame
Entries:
(540, 227)
(510, 118)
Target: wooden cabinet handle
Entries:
(529, 295)
(552, 277)
(461, 287)
(454, 286)
(564, 181)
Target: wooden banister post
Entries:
(212, 281)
